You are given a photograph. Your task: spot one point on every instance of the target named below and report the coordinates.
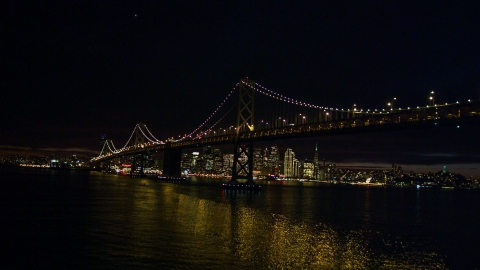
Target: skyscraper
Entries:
(208, 159)
(315, 162)
(227, 164)
(257, 159)
(217, 160)
(308, 169)
(273, 159)
(288, 163)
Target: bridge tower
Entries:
(243, 148)
(139, 145)
(104, 166)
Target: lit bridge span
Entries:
(251, 112)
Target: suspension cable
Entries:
(151, 134)
(139, 128)
(216, 110)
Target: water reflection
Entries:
(235, 231)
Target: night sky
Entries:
(72, 70)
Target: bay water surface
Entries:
(90, 220)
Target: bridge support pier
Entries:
(243, 161)
(172, 157)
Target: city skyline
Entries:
(372, 154)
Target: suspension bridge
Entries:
(251, 112)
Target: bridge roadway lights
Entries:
(240, 186)
(181, 180)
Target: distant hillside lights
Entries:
(50, 161)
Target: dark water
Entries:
(63, 219)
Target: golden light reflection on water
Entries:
(231, 230)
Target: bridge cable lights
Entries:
(131, 135)
(143, 133)
(212, 126)
(115, 152)
(103, 148)
(216, 110)
(271, 93)
(151, 134)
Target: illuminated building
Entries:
(308, 169)
(207, 159)
(186, 162)
(265, 158)
(273, 158)
(288, 163)
(194, 160)
(296, 167)
(257, 159)
(227, 164)
(217, 161)
(200, 165)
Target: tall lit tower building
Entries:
(217, 160)
(257, 159)
(296, 167)
(288, 163)
(194, 160)
(308, 169)
(265, 158)
(227, 164)
(208, 159)
(315, 162)
(273, 159)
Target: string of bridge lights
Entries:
(270, 93)
(139, 128)
(113, 146)
(103, 148)
(211, 115)
(116, 151)
(216, 123)
(151, 134)
(275, 95)
(131, 135)
(106, 143)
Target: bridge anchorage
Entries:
(240, 122)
